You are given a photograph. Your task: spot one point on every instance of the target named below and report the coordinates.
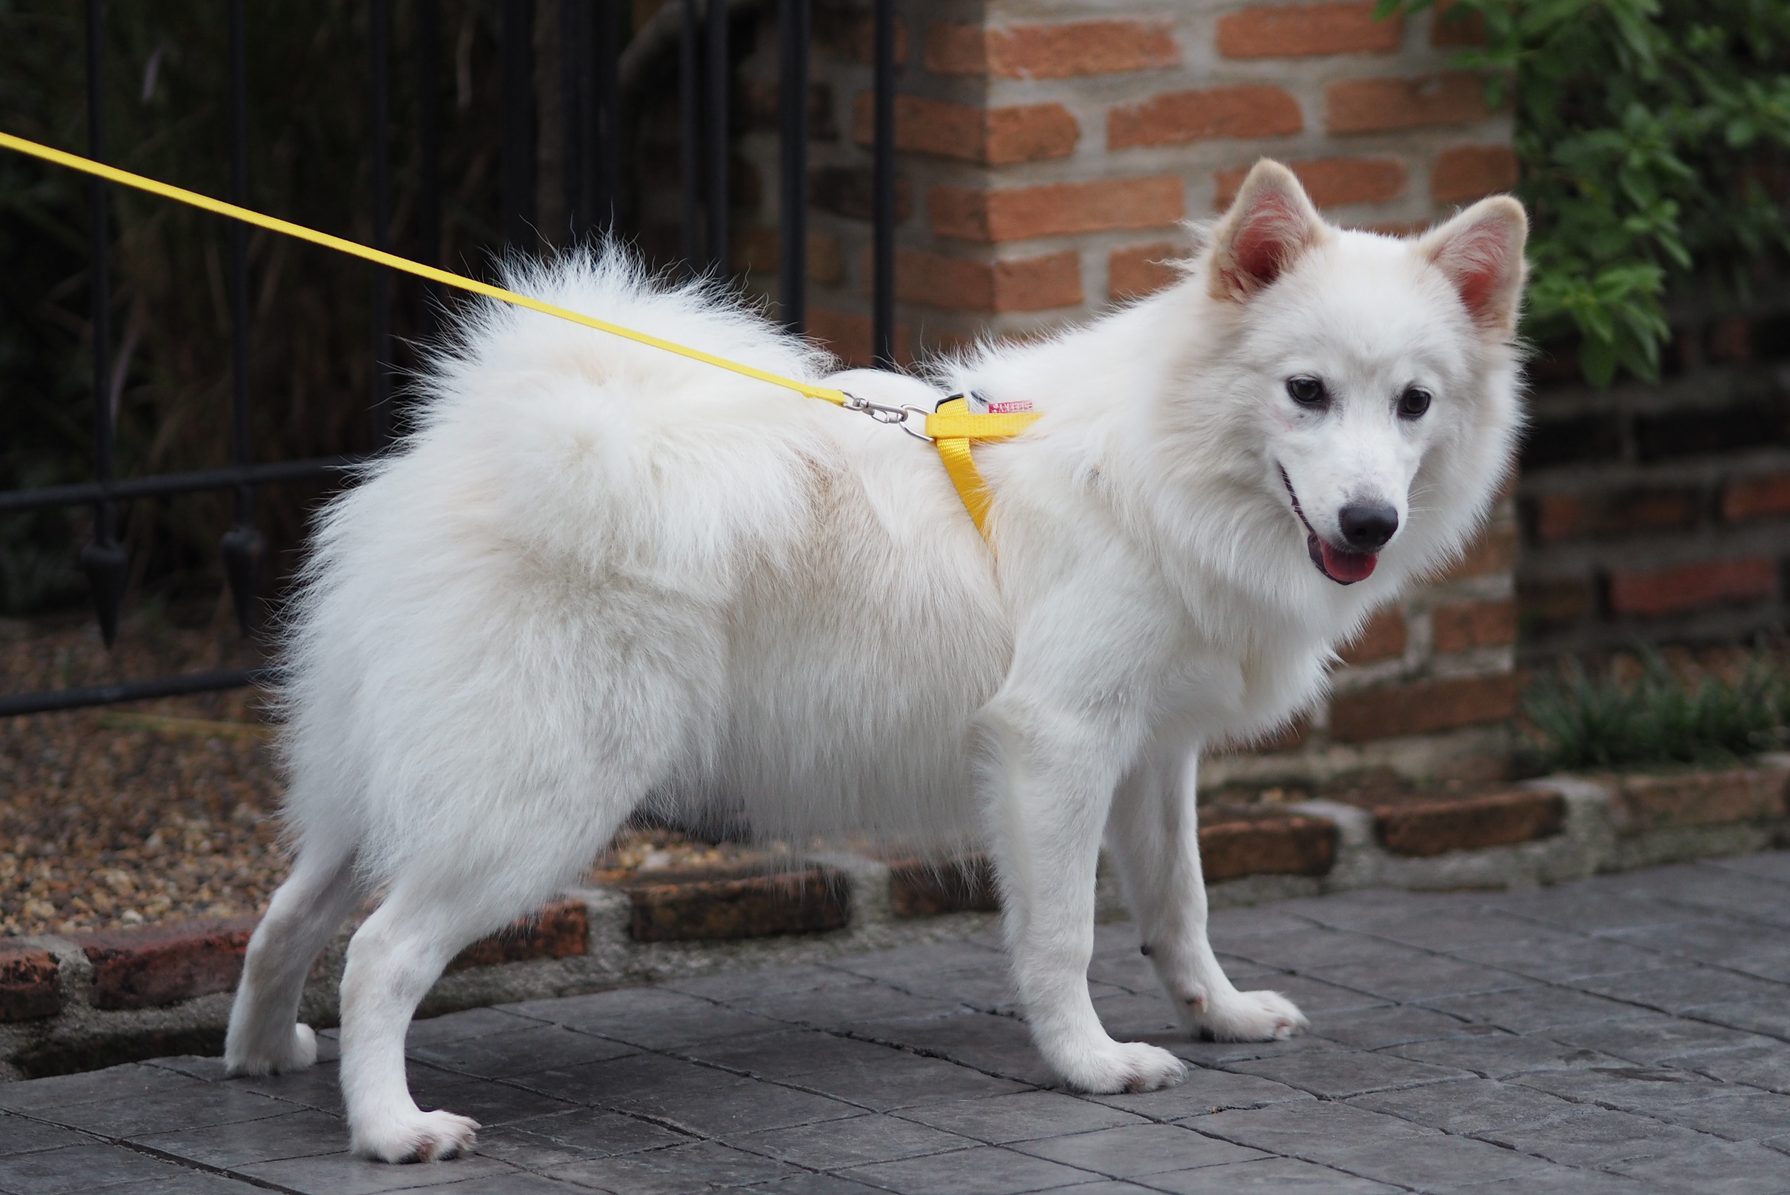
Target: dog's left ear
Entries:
(1270, 223)
(1481, 252)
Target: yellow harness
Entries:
(952, 428)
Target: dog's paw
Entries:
(1245, 1016)
(1122, 1066)
(297, 1052)
(415, 1136)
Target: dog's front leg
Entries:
(1052, 776)
(1155, 838)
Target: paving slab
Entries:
(1623, 1034)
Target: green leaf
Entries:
(1597, 358)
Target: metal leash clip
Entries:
(903, 417)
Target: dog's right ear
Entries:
(1271, 222)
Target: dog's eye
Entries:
(1413, 402)
(1307, 392)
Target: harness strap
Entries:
(953, 428)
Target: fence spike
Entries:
(243, 548)
(106, 564)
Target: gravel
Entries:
(134, 813)
(166, 810)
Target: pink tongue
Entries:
(1347, 567)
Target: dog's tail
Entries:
(594, 448)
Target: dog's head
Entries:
(1370, 381)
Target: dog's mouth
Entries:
(1339, 564)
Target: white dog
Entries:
(599, 575)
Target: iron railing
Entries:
(590, 32)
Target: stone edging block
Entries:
(1694, 798)
(711, 906)
(1421, 825)
(121, 985)
(28, 988)
(1235, 843)
(153, 965)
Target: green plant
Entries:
(1652, 136)
(1582, 721)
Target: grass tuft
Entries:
(1585, 722)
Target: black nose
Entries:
(1368, 525)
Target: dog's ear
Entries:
(1481, 252)
(1270, 224)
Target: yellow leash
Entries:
(951, 430)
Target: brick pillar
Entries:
(1049, 150)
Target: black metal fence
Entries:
(590, 34)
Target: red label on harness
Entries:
(982, 406)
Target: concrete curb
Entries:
(73, 1002)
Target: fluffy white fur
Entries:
(598, 575)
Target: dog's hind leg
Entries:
(393, 960)
(442, 900)
(1154, 835)
(265, 1036)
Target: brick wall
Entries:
(1050, 149)
(1661, 512)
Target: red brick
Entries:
(850, 191)
(1304, 30)
(848, 34)
(558, 930)
(1027, 134)
(1655, 802)
(1245, 842)
(1055, 209)
(1731, 339)
(143, 968)
(756, 248)
(27, 983)
(1139, 270)
(1331, 182)
(1692, 586)
(1399, 228)
(928, 887)
(1424, 824)
(1451, 28)
(1054, 51)
(1027, 284)
(1756, 497)
(1383, 638)
(1684, 352)
(994, 136)
(710, 906)
(1560, 516)
(1287, 738)
(1383, 105)
(1662, 510)
(1620, 512)
(1422, 707)
(1176, 117)
(1494, 551)
(1466, 625)
(1469, 172)
(1556, 602)
(851, 338)
(760, 110)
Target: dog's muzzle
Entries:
(1342, 565)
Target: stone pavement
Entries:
(1623, 1034)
